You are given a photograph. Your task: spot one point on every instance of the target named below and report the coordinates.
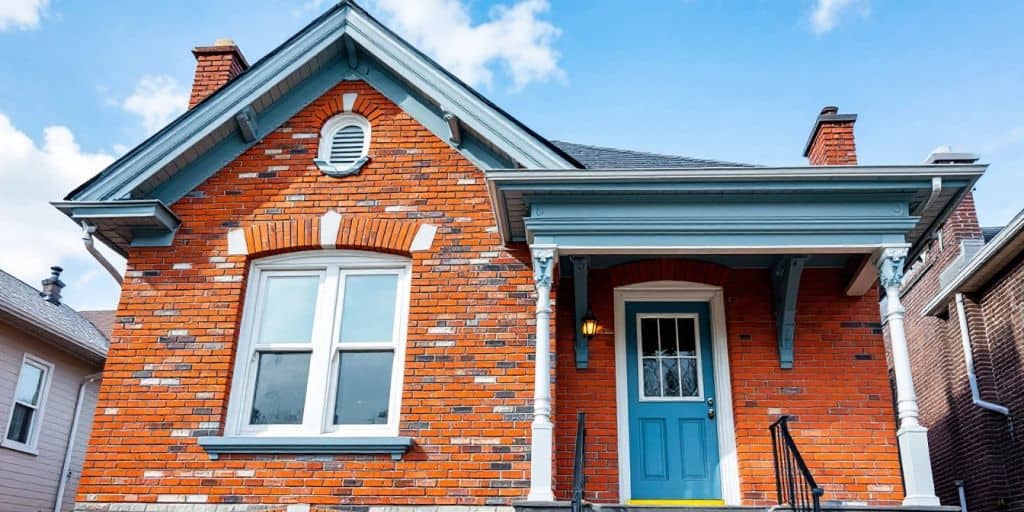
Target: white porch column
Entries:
(913, 438)
(541, 430)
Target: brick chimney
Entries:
(215, 66)
(831, 141)
(52, 286)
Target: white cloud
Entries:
(35, 235)
(514, 38)
(826, 14)
(24, 14)
(157, 100)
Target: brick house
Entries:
(963, 298)
(354, 282)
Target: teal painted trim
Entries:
(393, 446)
(247, 125)
(624, 242)
(905, 188)
(580, 276)
(785, 288)
(340, 172)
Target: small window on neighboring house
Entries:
(27, 406)
(344, 144)
(321, 346)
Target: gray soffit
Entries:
(599, 157)
(1002, 250)
(22, 306)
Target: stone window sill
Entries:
(394, 446)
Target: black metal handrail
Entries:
(579, 480)
(794, 484)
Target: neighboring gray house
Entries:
(51, 357)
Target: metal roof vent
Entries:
(344, 145)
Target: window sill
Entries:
(19, 447)
(394, 446)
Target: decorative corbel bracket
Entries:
(786, 287)
(247, 126)
(580, 273)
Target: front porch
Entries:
(725, 298)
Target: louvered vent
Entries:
(347, 145)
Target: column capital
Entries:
(890, 265)
(543, 257)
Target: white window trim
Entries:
(323, 159)
(32, 445)
(317, 414)
(641, 393)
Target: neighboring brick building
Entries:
(348, 276)
(974, 276)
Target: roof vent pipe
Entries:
(90, 245)
(52, 286)
(972, 378)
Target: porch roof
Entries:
(852, 209)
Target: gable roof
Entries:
(23, 306)
(600, 157)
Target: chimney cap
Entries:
(224, 41)
(829, 114)
(222, 46)
(944, 155)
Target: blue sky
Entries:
(740, 81)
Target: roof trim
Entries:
(121, 178)
(993, 257)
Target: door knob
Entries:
(711, 408)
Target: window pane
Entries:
(21, 423)
(652, 378)
(688, 368)
(288, 309)
(670, 376)
(368, 311)
(667, 329)
(30, 382)
(649, 335)
(280, 388)
(687, 338)
(364, 388)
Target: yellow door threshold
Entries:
(677, 503)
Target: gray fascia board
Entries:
(994, 253)
(470, 110)
(86, 210)
(216, 111)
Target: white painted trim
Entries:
(686, 292)
(424, 238)
(330, 266)
(236, 242)
(32, 445)
(330, 224)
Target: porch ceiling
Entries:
(796, 210)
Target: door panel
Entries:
(670, 381)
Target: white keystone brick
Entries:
(485, 379)
(181, 266)
(227, 279)
(248, 174)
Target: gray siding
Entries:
(29, 482)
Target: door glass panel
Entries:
(288, 309)
(649, 336)
(687, 337)
(30, 382)
(364, 388)
(667, 333)
(688, 369)
(280, 393)
(368, 309)
(670, 376)
(652, 377)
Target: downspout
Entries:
(90, 245)
(972, 378)
(65, 470)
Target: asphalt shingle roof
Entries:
(599, 157)
(25, 302)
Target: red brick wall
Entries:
(469, 369)
(968, 443)
(838, 388)
(833, 144)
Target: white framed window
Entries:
(26, 415)
(669, 357)
(344, 144)
(321, 347)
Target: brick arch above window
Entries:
(331, 231)
(668, 269)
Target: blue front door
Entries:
(673, 439)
